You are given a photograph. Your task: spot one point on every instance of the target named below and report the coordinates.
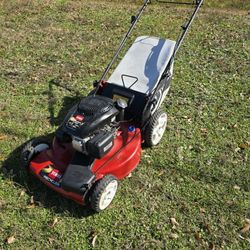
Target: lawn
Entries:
(190, 192)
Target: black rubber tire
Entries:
(148, 134)
(28, 152)
(98, 190)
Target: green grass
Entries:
(199, 174)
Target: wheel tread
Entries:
(98, 190)
(149, 130)
(28, 147)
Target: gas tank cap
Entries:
(121, 104)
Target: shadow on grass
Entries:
(13, 168)
(68, 101)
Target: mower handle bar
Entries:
(187, 26)
(196, 2)
(179, 42)
(134, 21)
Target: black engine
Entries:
(91, 126)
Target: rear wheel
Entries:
(156, 128)
(33, 148)
(103, 193)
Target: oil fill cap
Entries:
(131, 129)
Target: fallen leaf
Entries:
(94, 240)
(30, 206)
(198, 236)
(22, 193)
(244, 145)
(246, 227)
(174, 236)
(222, 221)
(212, 246)
(32, 201)
(230, 203)
(208, 227)
(202, 210)
(241, 237)
(204, 131)
(174, 223)
(161, 173)
(54, 222)
(180, 153)
(3, 137)
(10, 240)
(236, 187)
(237, 150)
(51, 240)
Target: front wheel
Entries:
(32, 148)
(103, 193)
(156, 128)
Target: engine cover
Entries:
(90, 114)
(100, 145)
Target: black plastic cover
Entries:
(136, 101)
(96, 111)
(78, 177)
(100, 145)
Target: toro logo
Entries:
(79, 118)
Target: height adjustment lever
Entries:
(133, 19)
(184, 26)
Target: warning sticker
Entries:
(51, 175)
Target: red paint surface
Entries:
(120, 161)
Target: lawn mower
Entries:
(100, 140)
